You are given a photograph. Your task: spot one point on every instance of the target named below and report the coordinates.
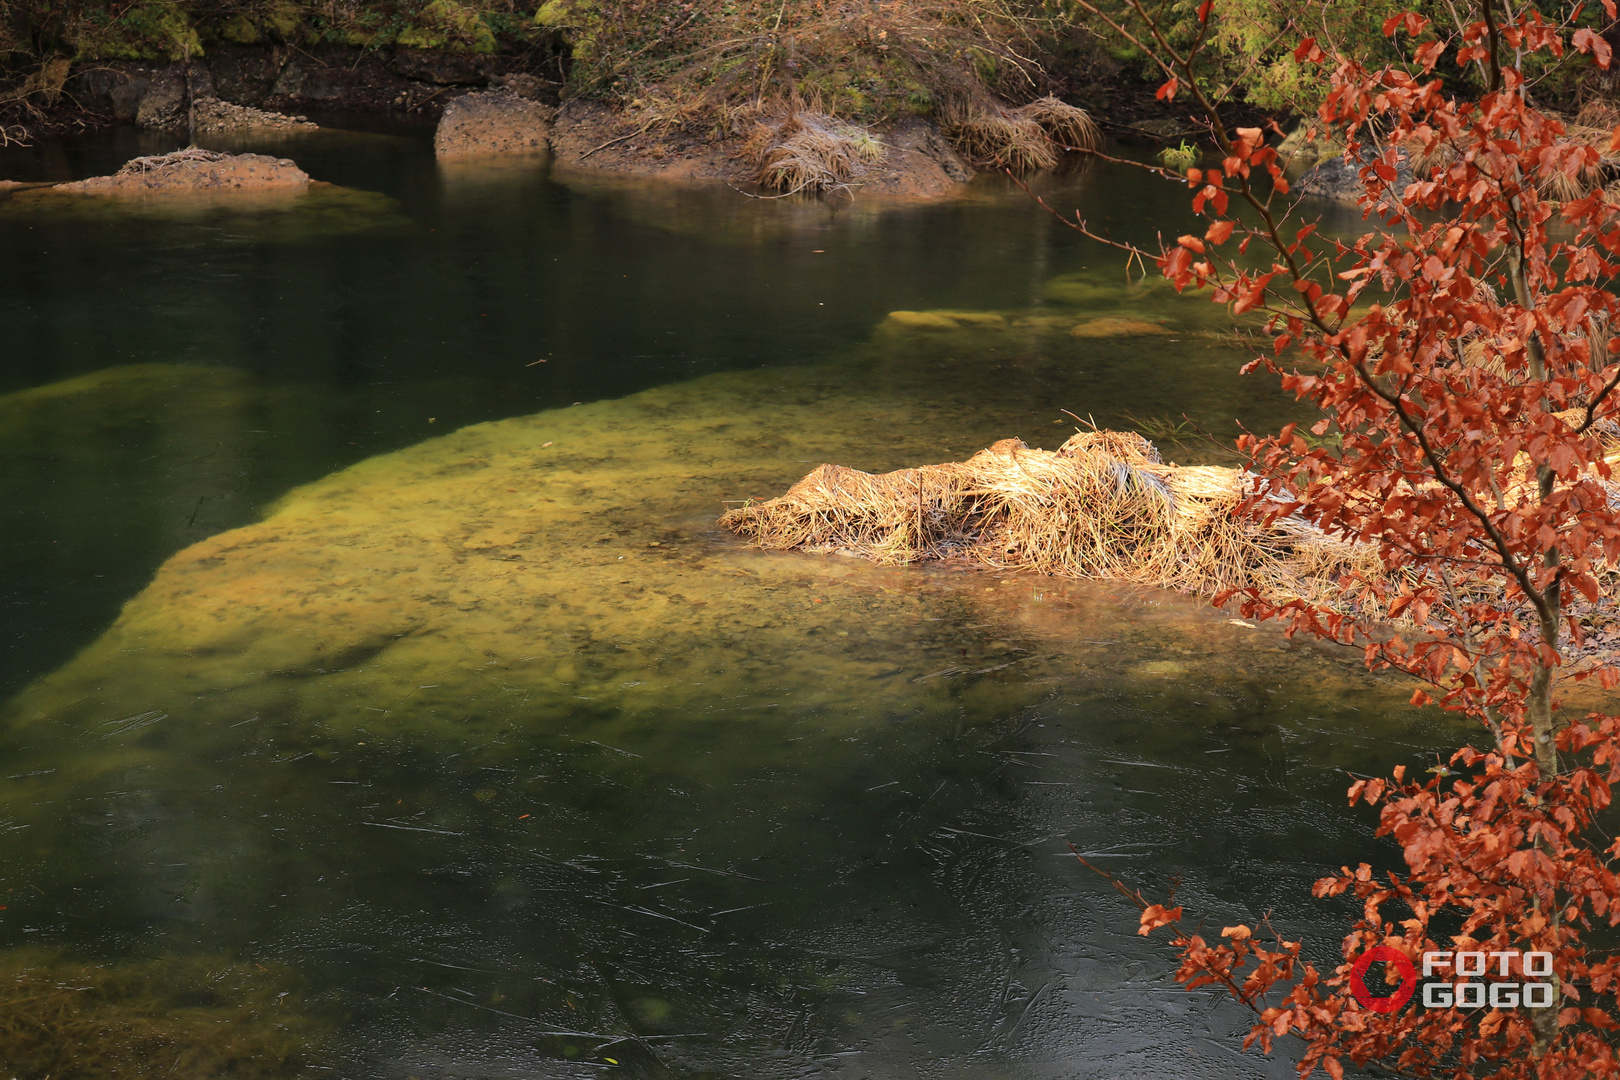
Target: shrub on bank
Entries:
(860, 59)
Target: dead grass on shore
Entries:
(1101, 506)
(1024, 139)
(811, 152)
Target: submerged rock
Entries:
(946, 320)
(1117, 326)
(194, 170)
(141, 1019)
(493, 122)
(1026, 325)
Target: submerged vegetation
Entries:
(175, 1017)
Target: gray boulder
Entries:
(1339, 178)
(163, 104)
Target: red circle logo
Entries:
(1402, 966)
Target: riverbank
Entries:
(921, 153)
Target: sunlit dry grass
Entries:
(1102, 506)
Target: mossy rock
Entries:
(1117, 326)
(946, 320)
(1085, 290)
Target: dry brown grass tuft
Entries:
(1598, 114)
(869, 58)
(1101, 506)
(1000, 137)
(1564, 186)
(811, 152)
(1024, 139)
(1426, 157)
(1067, 125)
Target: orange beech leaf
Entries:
(1586, 41)
(1155, 916)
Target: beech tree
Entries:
(1462, 354)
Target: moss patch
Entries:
(194, 1017)
(288, 215)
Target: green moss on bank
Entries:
(183, 29)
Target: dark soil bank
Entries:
(287, 80)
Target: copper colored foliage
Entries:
(1461, 359)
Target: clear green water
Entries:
(360, 657)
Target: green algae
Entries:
(273, 215)
(538, 536)
(566, 556)
(1089, 290)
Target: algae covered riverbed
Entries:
(387, 704)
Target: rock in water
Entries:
(211, 116)
(1339, 179)
(194, 170)
(493, 122)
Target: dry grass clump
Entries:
(1070, 126)
(1024, 139)
(1565, 187)
(1101, 506)
(1000, 137)
(869, 58)
(1426, 157)
(812, 152)
(1598, 113)
(167, 1018)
